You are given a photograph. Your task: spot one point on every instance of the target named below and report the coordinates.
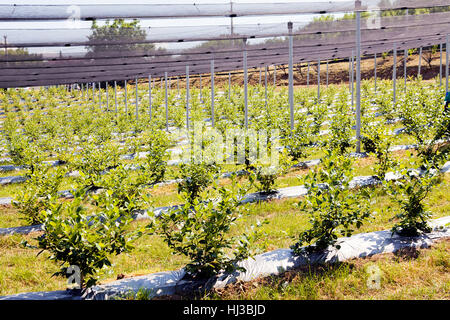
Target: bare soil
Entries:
(338, 72)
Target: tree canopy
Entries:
(116, 36)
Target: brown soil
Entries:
(338, 72)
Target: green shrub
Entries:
(334, 209)
(264, 176)
(195, 178)
(75, 238)
(24, 152)
(377, 142)
(427, 124)
(410, 192)
(201, 230)
(127, 190)
(298, 140)
(341, 132)
(155, 163)
(40, 192)
(93, 161)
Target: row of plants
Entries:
(60, 133)
(87, 230)
(200, 227)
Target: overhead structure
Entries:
(87, 55)
(74, 55)
(19, 12)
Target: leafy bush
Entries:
(264, 170)
(264, 176)
(341, 132)
(201, 231)
(377, 142)
(23, 150)
(74, 238)
(409, 192)
(334, 208)
(195, 178)
(155, 163)
(297, 140)
(426, 123)
(93, 161)
(127, 190)
(40, 192)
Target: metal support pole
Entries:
(178, 85)
(394, 75)
(201, 97)
(405, 74)
(93, 93)
(115, 95)
(137, 101)
(167, 102)
(350, 74)
(212, 93)
(99, 95)
(126, 97)
(318, 81)
(440, 65)
(358, 77)
(187, 98)
(307, 76)
(375, 71)
(265, 84)
(291, 75)
(446, 64)
(229, 85)
(107, 96)
(150, 97)
(245, 85)
(420, 63)
(327, 74)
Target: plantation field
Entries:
(408, 275)
(114, 165)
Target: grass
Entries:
(408, 274)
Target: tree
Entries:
(15, 57)
(118, 36)
(429, 55)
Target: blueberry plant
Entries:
(410, 193)
(377, 142)
(73, 237)
(335, 210)
(39, 193)
(195, 178)
(202, 231)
